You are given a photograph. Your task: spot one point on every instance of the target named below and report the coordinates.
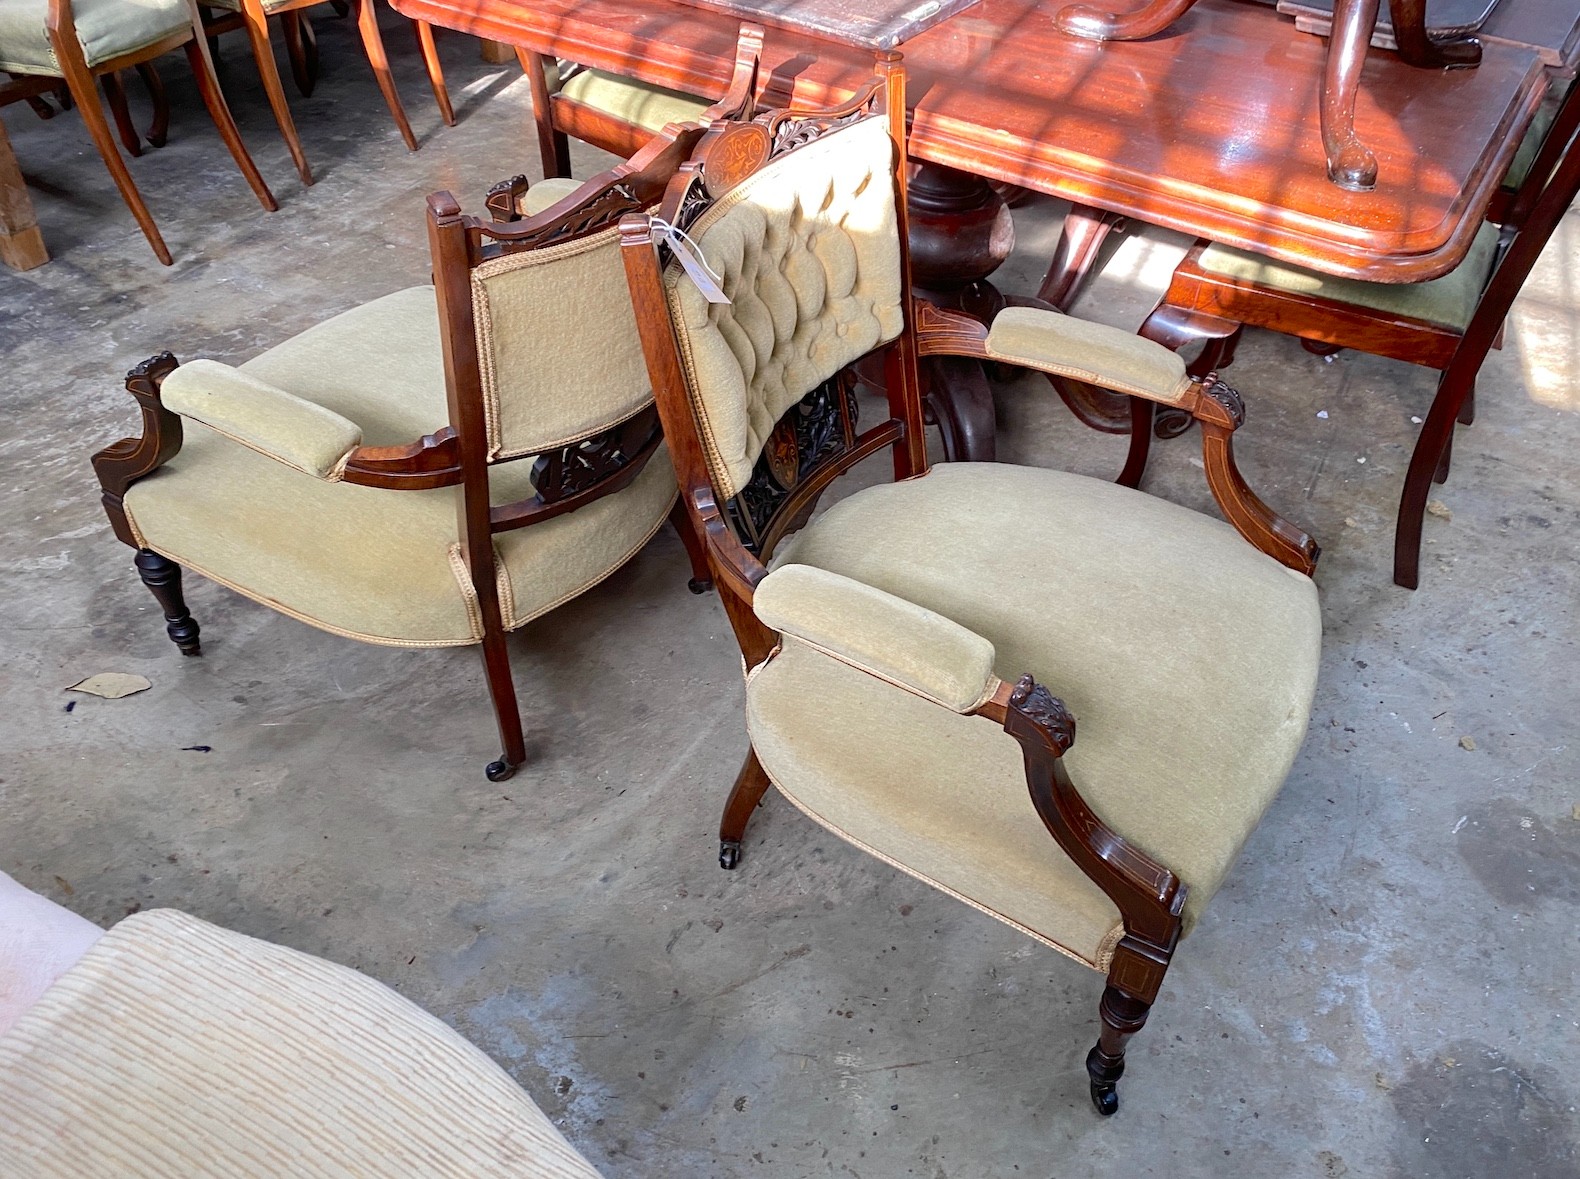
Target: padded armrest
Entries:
(277, 424)
(880, 634)
(1085, 351)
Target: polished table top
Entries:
(1210, 128)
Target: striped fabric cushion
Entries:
(177, 1048)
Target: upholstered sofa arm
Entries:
(551, 190)
(882, 635)
(1032, 337)
(277, 424)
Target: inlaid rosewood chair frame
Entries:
(1351, 163)
(1202, 305)
(818, 440)
(79, 77)
(559, 117)
(302, 46)
(456, 455)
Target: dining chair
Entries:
(253, 16)
(44, 43)
(1447, 324)
(916, 654)
(619, 114)
(169, 1046)
(435, 468)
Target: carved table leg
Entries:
(960, 232)
(750, 786)
(1351, 164)
(1081, 20)
(163, 578)
(1085, 230)
(1416, 47)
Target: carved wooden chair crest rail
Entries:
(40, 49)
(1448, 324)
(302, 46)
(891, 643)
(435, 468)
(1351, 163)
(620, 114)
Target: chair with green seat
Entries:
(1448, 324)
(434, 468)
(46, 42)
(619, 114)
(908, 649)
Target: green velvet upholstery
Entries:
(885, 636)
(1449, 301)
(1093, 352)
(630, 101)
(375, 564)
(277, 424)
(1536, 134)
(106, 29)
(1188, 658)
(810, 257)
(557, 344)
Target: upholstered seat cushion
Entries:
(630, 101)
(370, 563)
(1449, 301)
(174, 1047)
(1187, 657)
(106, 28)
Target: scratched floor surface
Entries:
(1385, 987)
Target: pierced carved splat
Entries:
(570, 470)
(821, 426)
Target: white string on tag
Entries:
(689, 254)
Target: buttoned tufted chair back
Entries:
(809, 249)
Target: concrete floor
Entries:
(1385, 987)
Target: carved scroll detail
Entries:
(1231, 401)
(122, 464)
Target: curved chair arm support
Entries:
(1149, 897)
(278, 425)
(1220, 411)
(120, 465)
(883, 635)
(434, 460)
(1061, 345)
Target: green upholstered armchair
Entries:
(619, 114)
(917, 654)
(46, 42)
(434, 468)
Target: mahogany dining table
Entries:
(1210, 128)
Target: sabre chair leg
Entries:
(301, 46)
(115, 98)
(1426, 461)
(162, 576)
(1123, 1016)
(159, 129)
(750, 786)
(430, 61)
(701, 576)
(81, 84)
(373, 43)
(1142, 413)
(257, 23)
(208, 88)
(502, 689)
